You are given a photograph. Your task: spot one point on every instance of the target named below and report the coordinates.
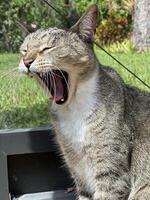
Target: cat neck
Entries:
(84, 98)
(72, 119)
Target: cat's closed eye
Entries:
(45, 49)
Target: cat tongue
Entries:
(58, 89)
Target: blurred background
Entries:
(123, 30)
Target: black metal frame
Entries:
(23, 141)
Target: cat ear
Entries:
(86, 25)
(25, 28)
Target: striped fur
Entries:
(103, 130)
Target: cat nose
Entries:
(28, 62)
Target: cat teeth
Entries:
(41, 74)
(62, 100)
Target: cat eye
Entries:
(44, 49)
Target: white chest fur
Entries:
(74, 127)
(72, 120)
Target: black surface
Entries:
(29, 162)
(38, 172)
(22, 141)
(55, 195)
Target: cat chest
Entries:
(73, 129)
(74, 133)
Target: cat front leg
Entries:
(84, 196)
(142, 194)
(81, 197)
(111, 183)
(111, 189)
(107, 159)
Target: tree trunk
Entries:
(141, 33)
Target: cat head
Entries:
(59, 59)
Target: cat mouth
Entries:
(56, 81)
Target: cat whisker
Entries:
(8, 63)
(43, 63)
(50, 76)
(9, 76)
(44, 67)
(8, 82)
(9, 79)
(10, 72)
(14, 90)
(3, 74)
(55, 92)
(64, 78)
(53, 72)
(47, 83)
(56, 74)
(50, 80)
(12, 77)
(10, 69)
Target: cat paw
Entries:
(101, 195)
(142, 194)
(83, 198)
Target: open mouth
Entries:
(56, 82)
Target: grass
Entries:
(137, 63)
(22, 102)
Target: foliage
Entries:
(82, 5)
(23, 105)
(129, 6)
(121, 47)
(31, 12)
(117, 21)
(112, 30)
(116, 18)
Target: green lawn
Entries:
(22, 102)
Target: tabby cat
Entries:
(102, 126)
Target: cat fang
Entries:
(56, 82)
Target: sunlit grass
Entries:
(22, 103)
(137, 63)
